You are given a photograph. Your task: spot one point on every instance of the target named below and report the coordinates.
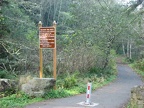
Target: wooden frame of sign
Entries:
(47, 39)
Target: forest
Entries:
(90, 34)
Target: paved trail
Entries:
(114, 95)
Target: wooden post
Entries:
(54, 55)
(41, 56)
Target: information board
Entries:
(47, 37)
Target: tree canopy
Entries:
(89, 33)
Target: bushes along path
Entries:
(114, 95)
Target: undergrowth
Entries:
(18, 100)
(139, 67)
(6, 74)
(71, 84)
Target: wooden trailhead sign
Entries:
(47, 37)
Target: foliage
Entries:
(20, 99)
(8, 92)
(3, 26)
(70, 81)
(21, 36)
(128, 60)
(5, 74)
(139, 65)
(59, 93)
(89, 34)
(86, 35)
(17, 100)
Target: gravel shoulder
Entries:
(114, 95)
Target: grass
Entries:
(141, 73)
(78, 86)
(17, 100)
(128, 106)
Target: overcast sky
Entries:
(124, 1)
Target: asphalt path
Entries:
(114, 95)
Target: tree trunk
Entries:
(123, 47)
(130, 45)
(107, 55)
(128, 48)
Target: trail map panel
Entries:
(47, 37)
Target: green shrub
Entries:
(95, 70)
(3, 74)
(8, 92)
(139, 65)
(67, 80)
(70, 81)
(128, 60)
(56, 94)
(6, 74)
(18, 100)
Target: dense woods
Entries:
(89, 34)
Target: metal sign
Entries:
(47, 37)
